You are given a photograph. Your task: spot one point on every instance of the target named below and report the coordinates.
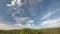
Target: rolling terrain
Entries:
(32, 31)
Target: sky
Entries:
(34, 14)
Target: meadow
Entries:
(32, 31)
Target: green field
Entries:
(32, 31)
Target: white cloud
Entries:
(44, 24)
(31, 26)
(51, 9)
(26, 26)
(21, 19)
(29, 22)
(47, 15)
(51, 23)
(14, 2)
(50, 12)
(4, 26)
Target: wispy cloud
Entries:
(14, 2)
(47, 15)
(51, 9)
(50, 12)
(28, 24)
(19, 20)
(51, 23)
(4, 26)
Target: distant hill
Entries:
(32, 31)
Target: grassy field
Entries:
(32, 31)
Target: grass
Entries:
(32, 31)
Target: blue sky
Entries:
(35, 14)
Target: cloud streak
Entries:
(51, 23)
(21, 20)
(4, 25)
(47, 15)
(28, 22)
(51, 9)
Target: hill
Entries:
(32, 31)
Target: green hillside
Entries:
(32, 31)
